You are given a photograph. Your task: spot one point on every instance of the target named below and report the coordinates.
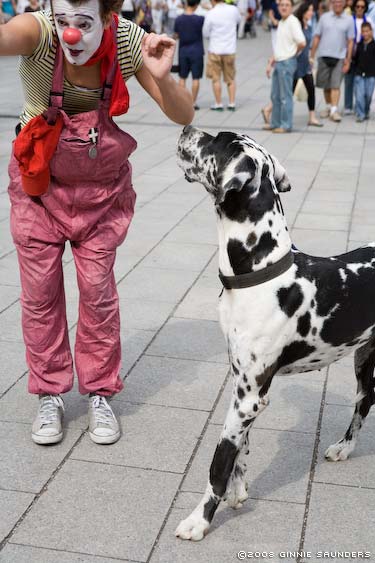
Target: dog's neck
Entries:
(246, 245)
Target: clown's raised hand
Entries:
(158, 52)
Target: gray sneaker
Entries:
(47, 426)
(103, 425)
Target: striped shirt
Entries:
(36, 70)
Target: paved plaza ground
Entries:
(80, 502)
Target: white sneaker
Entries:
(103, 425)
(47, 426)
(217, 107)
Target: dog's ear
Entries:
(281, 178)
(243, 174)
(236, 183)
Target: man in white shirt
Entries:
(220, 27)
(290, 40)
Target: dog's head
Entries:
(228, 162)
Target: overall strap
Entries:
(57, 91)
(107, 86)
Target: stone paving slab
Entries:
(174, 382)
(257, 526)
(13, 363)
(358, 470)
(331, 526)
(13, 505)
(190, 339)
(13, 553)
(148, 441)
(31, 470)
(106, 510)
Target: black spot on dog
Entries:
(304, 324)
(255, 408)
(251, 239)
(270, 222)
(235, 369)
(248, 387)
(241, 205)
(253, 357)
(209, 509)
(240, 392)
(236, 404)
(293, 352)
(241, 414)
(314, 331)
(222, 466)
(344, 307)
(246, 423)
(243, 260)
(244, 378)
(290, 299)
(312, 303)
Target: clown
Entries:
(70, 181)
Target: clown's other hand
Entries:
(158, 52)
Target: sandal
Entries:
(315, 124)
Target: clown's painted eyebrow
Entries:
(76, 15)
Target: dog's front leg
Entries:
(241, 415)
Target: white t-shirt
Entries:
(220, 27)
(289, 35)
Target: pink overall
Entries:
(90, 202)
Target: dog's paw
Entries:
(237, 494)
(192, 528)
(339, 451)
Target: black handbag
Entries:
(331, 62)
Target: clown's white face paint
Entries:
(86, 19)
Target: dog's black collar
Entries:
(255, 278)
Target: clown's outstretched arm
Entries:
(20, 36)
(154, 76)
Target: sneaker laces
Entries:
(49, 407)
(102, 411)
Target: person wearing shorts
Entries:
(188, 29)
(220, 27)
(334, 42)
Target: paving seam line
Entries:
(189, 464)
(100, 557)
(312, 469)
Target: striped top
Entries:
(36, 70)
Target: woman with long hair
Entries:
(304, 13)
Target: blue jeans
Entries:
(282, 94)
(363, 88)
(349, 89)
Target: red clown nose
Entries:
(71, 36)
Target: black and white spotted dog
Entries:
(292, 312)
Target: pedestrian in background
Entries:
(290, 40)
(359, 16)
(364, 65)
(157, 10)
(220, 27)
(334, 42)
(128, 10)
(188, 29)
(9, 9)
(172, 7)
(304, 14)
